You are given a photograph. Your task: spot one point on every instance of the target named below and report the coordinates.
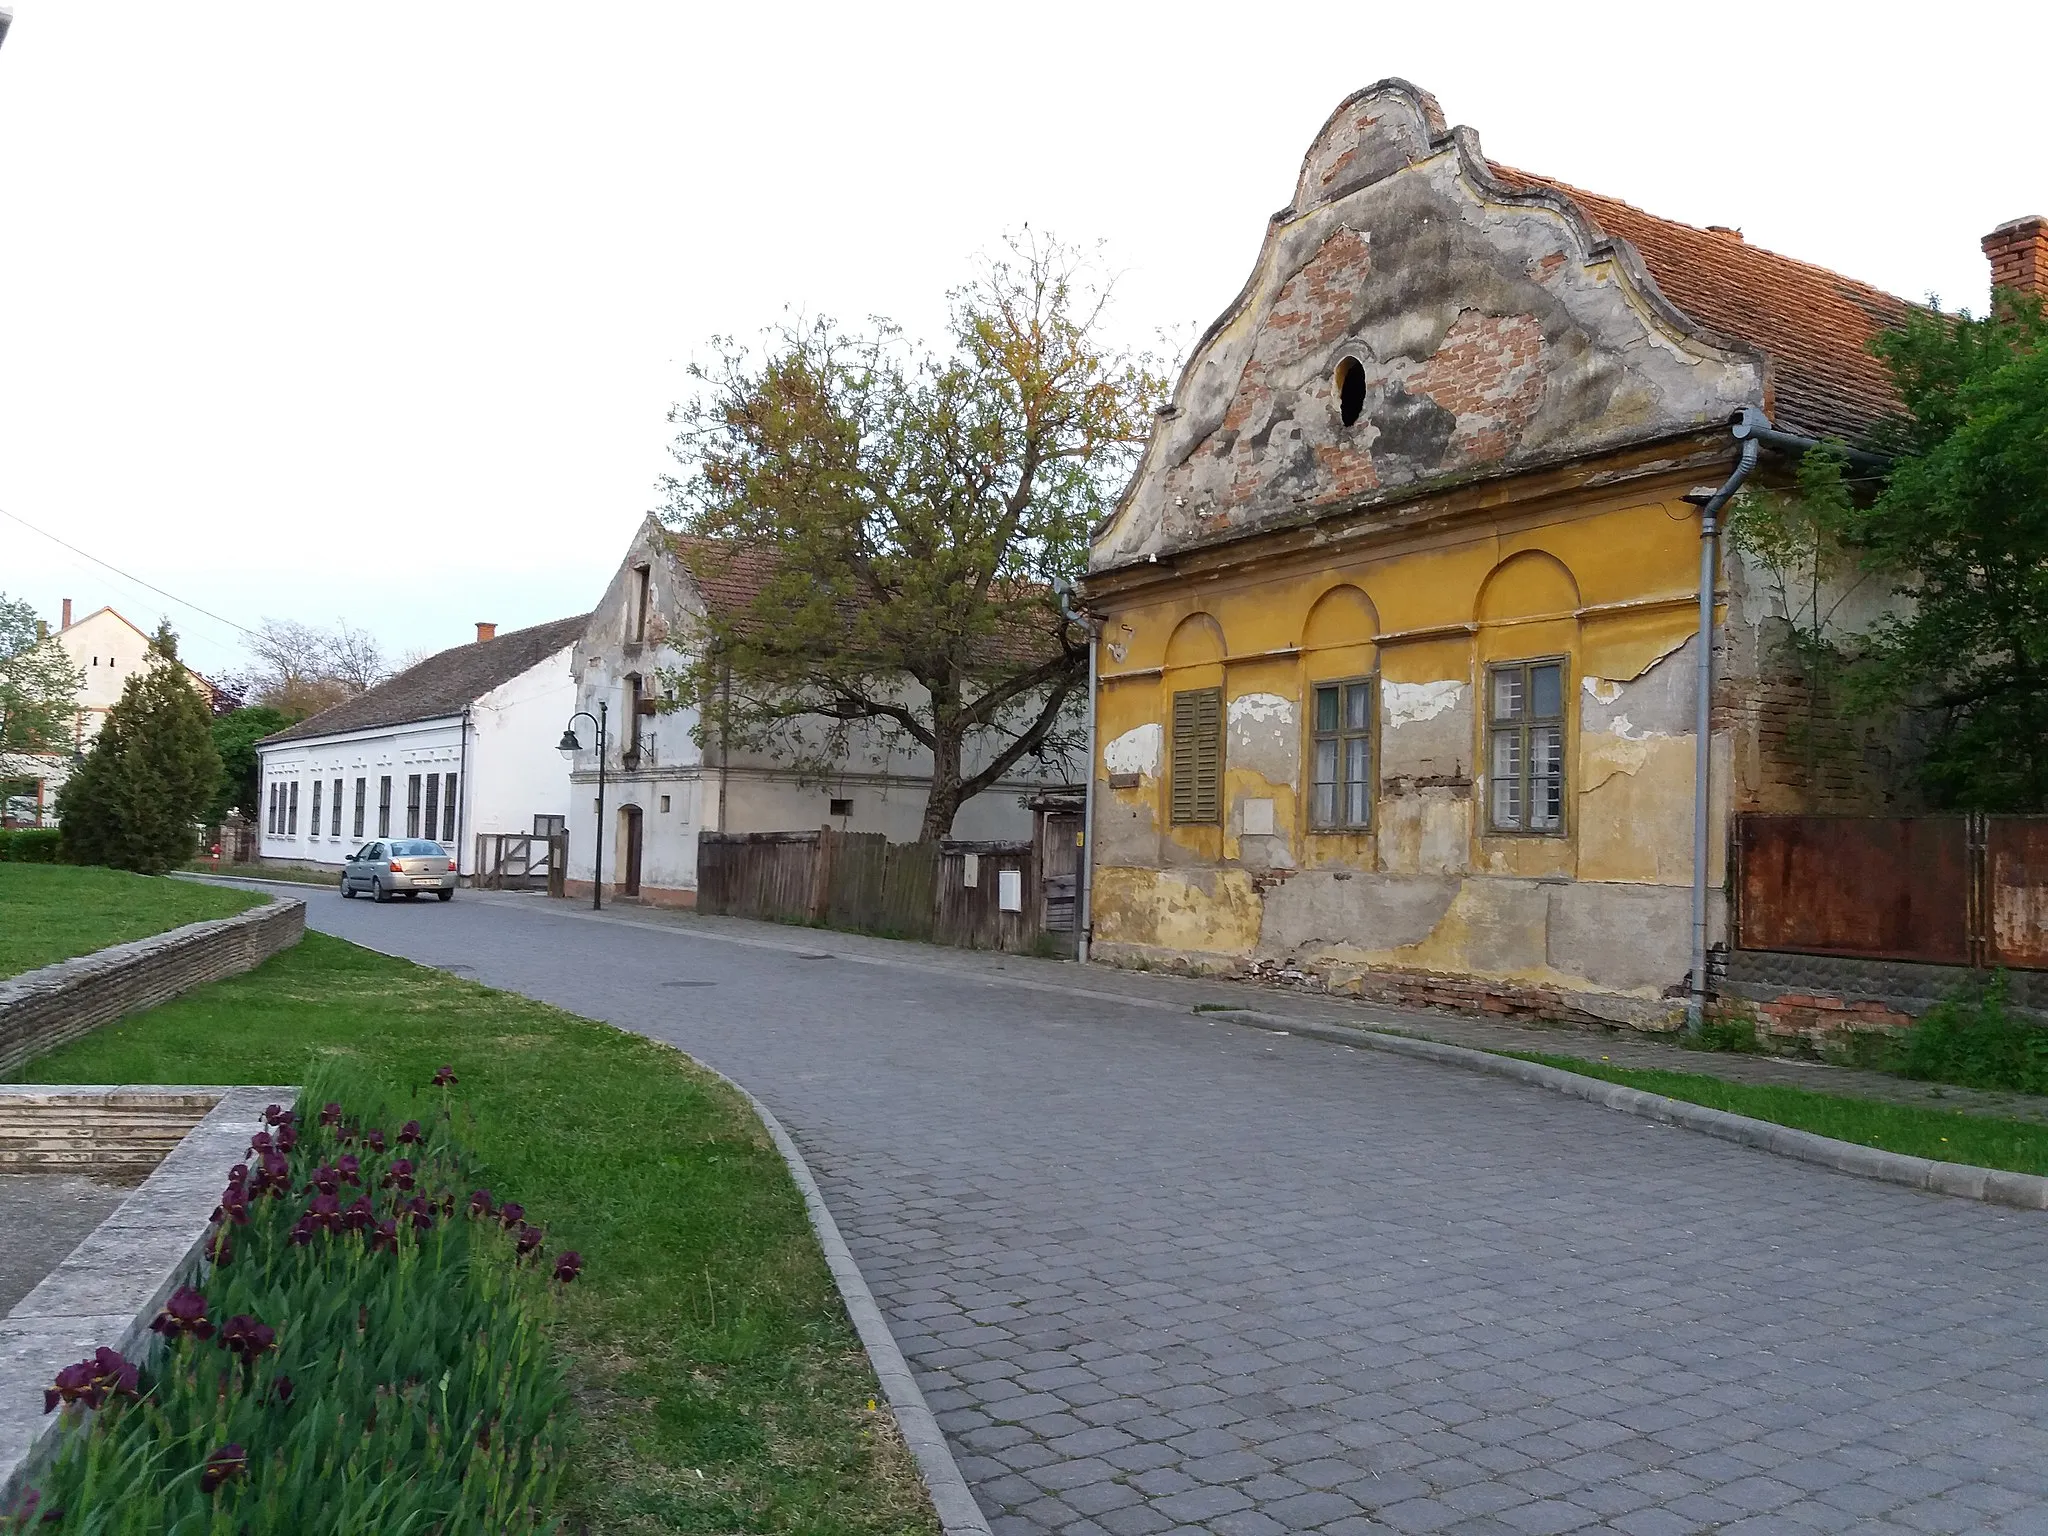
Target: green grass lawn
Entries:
(50, 912)
(720, 1386)
(1943, 1135)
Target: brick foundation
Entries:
(44, 1009)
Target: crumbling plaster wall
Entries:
(1495, 330)
(1602, 910)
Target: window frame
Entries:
(313, 826)
(1195, 816)
(1523, 726)
(334, 822)
(431, 820)
(1343, 733)
(362, 805)
(291, 818)
(384, 805)
(412, 804)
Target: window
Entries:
(664, 805)
(384, 806)
(1350, 390)
(633, 695)
(412, 805)
(270, 809)
(432, 829)
(313, 826)
(1341, 794)
(448, 807)
(1198, 756)
(1526, 726)
(839, 807)
(334, 827)
(548, 826)
(362, 788)
(643, 591)
(291, 815)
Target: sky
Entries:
(376, 312)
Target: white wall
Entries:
(396, 752)
(515, 769)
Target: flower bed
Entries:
(368, 1352)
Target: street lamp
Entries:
(569, 746)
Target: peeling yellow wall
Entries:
(1606, 582)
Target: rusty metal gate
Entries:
(1941, 890)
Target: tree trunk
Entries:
(944, 802)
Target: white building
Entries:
(662, 788)
(107, 650)
(461, 744)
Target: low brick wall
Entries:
(44, 1009)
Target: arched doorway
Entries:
(628, 863)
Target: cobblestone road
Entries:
(1158, 1274)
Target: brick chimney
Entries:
(67, 614)
(2018, 253)
(486, 632)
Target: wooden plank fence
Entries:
(968, 894)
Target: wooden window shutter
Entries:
(1198, 755)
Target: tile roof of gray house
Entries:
(443, 684)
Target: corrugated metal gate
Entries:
(1941, 890)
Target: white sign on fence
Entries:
(1010, 890)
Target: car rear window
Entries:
(416, 849)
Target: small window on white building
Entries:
(664, 804)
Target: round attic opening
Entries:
(1350, 390)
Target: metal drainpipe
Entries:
(1703, 742)
(462, 796)
(1084, 918)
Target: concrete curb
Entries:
(2025, 1190)
(958, 1513)
(110, 1286)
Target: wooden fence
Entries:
(972, 895)
(522, 861)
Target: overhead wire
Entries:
(127, 575)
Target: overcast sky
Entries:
(377, 310)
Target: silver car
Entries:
(399, 866)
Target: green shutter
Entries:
(1198, 756)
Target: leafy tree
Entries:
(1964, 518)
(913, 510)
(235, 735)
(38, 690)
(151, 774)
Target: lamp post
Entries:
(569, 746)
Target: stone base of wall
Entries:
(103, 1133)
(44, 1009)
(1817, 1005)
(649, 896)
(1479, 996)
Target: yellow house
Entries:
(1398, 616)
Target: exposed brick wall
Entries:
(1793, 756)
(47, 1008)
(2018, 253)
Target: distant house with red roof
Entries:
(1401, 613)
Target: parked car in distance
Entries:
(399, 866)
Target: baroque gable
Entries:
(1413, 319)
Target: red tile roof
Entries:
(1815, 324)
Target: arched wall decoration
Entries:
(1344, 615)
(1532, 584)
(1196, 641)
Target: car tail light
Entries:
(397, 868)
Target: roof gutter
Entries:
(1753, 432)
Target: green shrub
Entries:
(367, 1354)
(29, 845)
(1971, 1040)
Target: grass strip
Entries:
(720, 1386)
(52, 912)
(1940, 1134)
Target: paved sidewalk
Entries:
(1619, 1047)
(1157, 1272)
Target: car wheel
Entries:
(348, 892)
(377, 892)
(444, 895)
